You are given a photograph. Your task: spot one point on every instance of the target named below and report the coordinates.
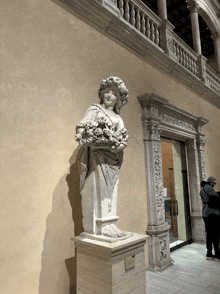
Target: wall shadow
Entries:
(58, 262)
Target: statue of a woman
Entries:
(102, 135)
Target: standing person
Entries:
(211, 218)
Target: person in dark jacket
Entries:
(211, 217)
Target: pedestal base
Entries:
(111, 268)
(159, 247)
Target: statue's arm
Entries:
(120, 125)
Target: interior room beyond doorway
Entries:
(176, 197)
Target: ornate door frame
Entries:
(161, 118)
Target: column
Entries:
(162, 9)
(193, 6)
(216, 39)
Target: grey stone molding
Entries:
(135, 25)
(161, 118)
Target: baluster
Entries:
(138, 19)
(178, 52)
(174, 48)
(143, 28)
(148, 27)
(184, 58)
(190, 63)
(187, 61)
(181, 56)
(193, 66)
(152, 33)
(132, 14)
(121, 7)
(127, 14)
(157, 37)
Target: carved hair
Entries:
(120, 90)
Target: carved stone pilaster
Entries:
(166, 38)
(111, 5)
(194, 185)
(201, 154)
(202, 68)
(201, 147)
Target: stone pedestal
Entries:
(111, 268)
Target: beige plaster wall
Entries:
(52, 63)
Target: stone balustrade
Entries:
(185, 55)
(212, 79)
(137, 14)
(142, 18)
(139, 28)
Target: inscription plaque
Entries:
(129, 262)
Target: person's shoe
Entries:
(216, 258)
(210, 256)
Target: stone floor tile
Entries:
(187, 269)
(213, 288)
(190, 274)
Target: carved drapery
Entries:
(161, 118)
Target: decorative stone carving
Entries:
(154, 132)
(160, 118)
(201, 151)
(193, 6)
(102, 137)
(178, 122)
(163, 249)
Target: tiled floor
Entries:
(191, 273)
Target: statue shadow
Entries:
(58, 262)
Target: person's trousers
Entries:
(212, 233)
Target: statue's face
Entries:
(109, 98)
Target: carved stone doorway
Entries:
(161, 118)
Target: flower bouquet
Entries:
(101, 134)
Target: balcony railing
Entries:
(138, 15)
(134, 24)
(212, 80)
(142, 18)
(185, 55)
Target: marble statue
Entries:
(102, 137)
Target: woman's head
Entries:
(119, 89)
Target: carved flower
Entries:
(78, 137)
(107, 132)
(101, 122)
(98, 132)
